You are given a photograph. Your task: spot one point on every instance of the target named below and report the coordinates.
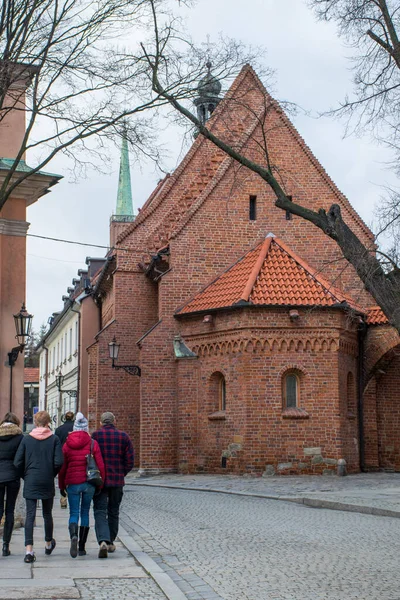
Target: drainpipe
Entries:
(11, 386)
(78, 382)
(362, 332)
(46, 376)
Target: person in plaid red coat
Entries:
(117, 451)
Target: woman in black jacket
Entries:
(38, 460)
(10, 439)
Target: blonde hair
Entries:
(42, 418)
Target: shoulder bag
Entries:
(92, 470)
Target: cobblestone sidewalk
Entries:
(370, 493)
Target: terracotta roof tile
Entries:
(376, 316)
(31, 375)
(270, 274)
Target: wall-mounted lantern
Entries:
(23, 325)
(59, 383)
(113, 349)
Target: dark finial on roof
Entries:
(208, 88)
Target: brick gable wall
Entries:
(202, 212)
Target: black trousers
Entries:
(8, 493)
(106, 513)
(47, 507)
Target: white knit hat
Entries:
(81, 423)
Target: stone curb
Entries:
(311, 502)
(162, 579)
(359, 508)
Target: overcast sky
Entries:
(312, 69)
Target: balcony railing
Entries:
(122, 218)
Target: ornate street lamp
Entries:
(113, 349)
(59, 383)
(23, 324)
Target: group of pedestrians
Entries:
(39, 456)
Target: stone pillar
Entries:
(13, 228)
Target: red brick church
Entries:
(259, 349)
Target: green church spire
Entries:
(124, 198)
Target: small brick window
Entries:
(217, 396)
(351, 396)
(291, 390)
(253, 208)
(222, 393)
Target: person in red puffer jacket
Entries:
(73, 479)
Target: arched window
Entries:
(217, 392)
(222, 393)
(351, 395)
(291, 390)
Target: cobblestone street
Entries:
(231, 547)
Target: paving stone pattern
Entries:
(121, 589)
(378, 490)
(63, 578)
(182, 573)
(242, 548)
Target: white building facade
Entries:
(59, 356)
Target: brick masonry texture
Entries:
(194, 227)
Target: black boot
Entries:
(83, 536)
(6, 549)
(73, 532)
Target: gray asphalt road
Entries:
(218, 546)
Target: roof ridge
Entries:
(256, 269)
(315, 274)
(317, 164)
(220, 274)
(154, 193)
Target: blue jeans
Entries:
(80, 495)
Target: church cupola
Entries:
(208, 97)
